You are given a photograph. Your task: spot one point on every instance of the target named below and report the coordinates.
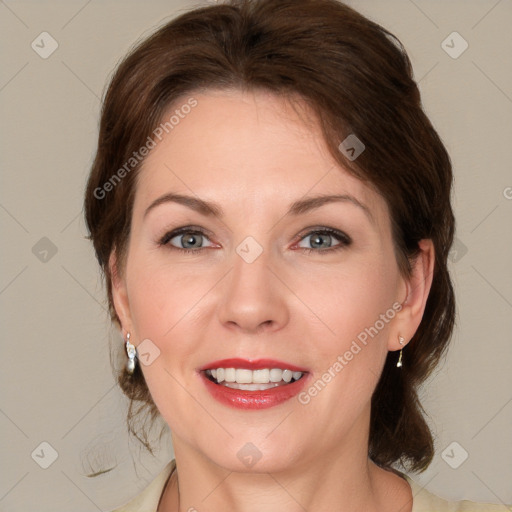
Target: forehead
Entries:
(254, 145)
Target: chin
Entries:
(245, 456)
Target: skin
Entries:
(254, 155)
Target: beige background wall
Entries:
(56, 383)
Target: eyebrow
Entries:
(299, 207)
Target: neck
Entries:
(337, 480)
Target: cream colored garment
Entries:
(423, 501)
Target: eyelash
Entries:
(344, 239)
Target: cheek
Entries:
(355, 309)
(345, 339)
(163, 305)
(351, 299)
(160, 295)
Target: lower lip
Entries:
(241, 399)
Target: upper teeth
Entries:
(244, 376)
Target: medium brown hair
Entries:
(357, 79)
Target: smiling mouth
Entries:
(252, 380)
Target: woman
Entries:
(271, 209)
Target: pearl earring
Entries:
(131, 352)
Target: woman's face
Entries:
(264, 273)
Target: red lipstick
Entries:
(255, 364)
(245, 399)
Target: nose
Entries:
(253, 298)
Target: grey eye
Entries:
(188, 240)
(318, 241)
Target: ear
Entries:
(120, 294)
(416, 289)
